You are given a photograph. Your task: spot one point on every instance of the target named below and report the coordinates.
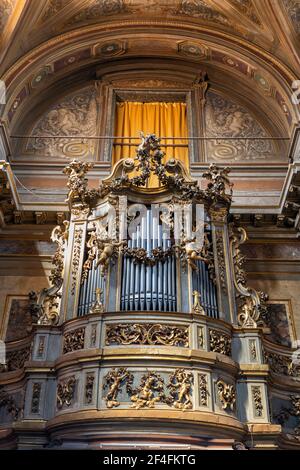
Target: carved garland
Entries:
(147, 333)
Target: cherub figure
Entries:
(180, 385)
(114, 380)
(144, 396)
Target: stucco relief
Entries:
(76, 115)
(235, 134)
(202, 9)
(6, 8)
(293, 10)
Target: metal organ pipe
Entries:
(149, 287)
(87, 294)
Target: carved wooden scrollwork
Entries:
(251, 302)
(147, 333)
(44, 307)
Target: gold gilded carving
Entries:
(101, 248)
(221, 259)
(197, 307)
(171, 174)
(44, 307)
(252, 304)
(218, 215)
(203, 390)
(98, 306)
(227, 395)
(114, 381)
(65, 392)
(200, 337)
(252, 350)
(257, 401)
(180, 385)
(219, 342)
(74, 340)
(147, 333)
(190, 253)
(148, 84)
(140, 255)
(78, 195)
(150, 391)
(76, 257)
(219, 183)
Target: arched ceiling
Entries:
(248, 48)
(244, 46)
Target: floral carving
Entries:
(221, 259)
(203, 395)
(74, 340)
(76, 257)
(140, 255)
(219, 342)
(147, 333)
(257, 401)
(227, 394)
(65, 392)
(78, 196)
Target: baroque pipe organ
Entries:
(153, 338)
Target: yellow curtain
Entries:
(162, 119)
